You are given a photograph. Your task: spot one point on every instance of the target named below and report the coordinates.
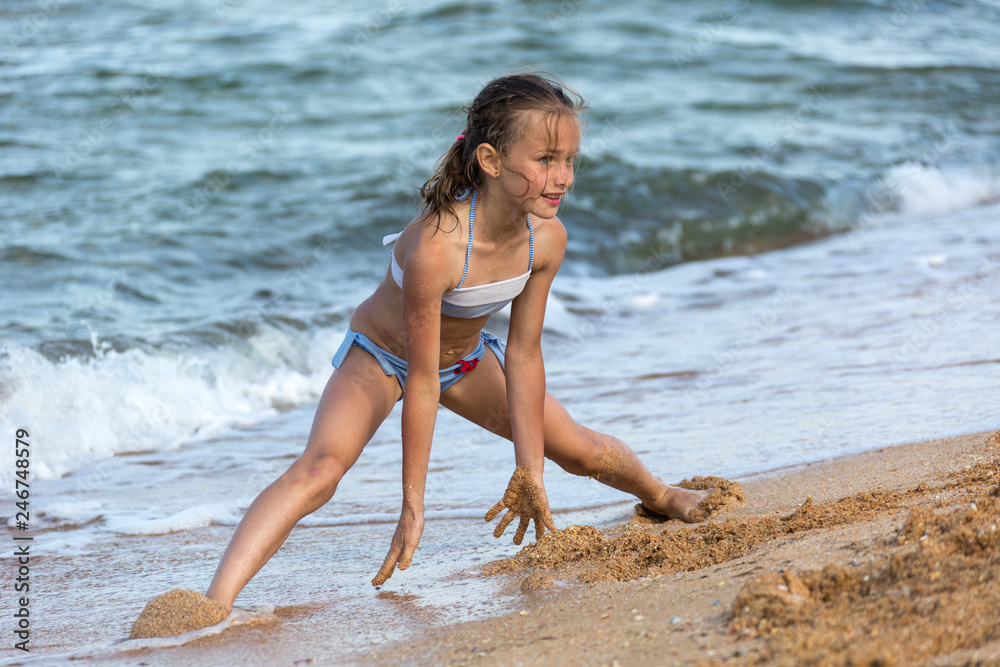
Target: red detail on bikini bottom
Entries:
(466, 365)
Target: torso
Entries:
(380, 317)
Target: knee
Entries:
(585, 459)
(592, 461)
(314, 479)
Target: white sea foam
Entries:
(224, 513)
(79, 411)
(929, 190)
(63, 512)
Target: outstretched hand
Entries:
(404, 543)
(525, 497)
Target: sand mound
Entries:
(176, 612)
(937, 595)
(638, 553)
(859, 507)
(933, 592)
(929, 590)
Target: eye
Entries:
(545, 160)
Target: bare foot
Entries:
(678, 503)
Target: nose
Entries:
(564, 176)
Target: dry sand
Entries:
(883, 558)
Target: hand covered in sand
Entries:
(525, 497)
(404, 542)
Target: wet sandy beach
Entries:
(887, 557)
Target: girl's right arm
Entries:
(424, 282)
(525, 377)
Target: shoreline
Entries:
(684, 617)
(803, 539)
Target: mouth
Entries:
(553, 198)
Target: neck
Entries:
(497, 217)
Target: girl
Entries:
(488, 236)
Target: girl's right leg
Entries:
(357, 399)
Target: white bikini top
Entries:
(478, 300)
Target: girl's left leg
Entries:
(481, 397)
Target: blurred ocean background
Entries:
(784, 247)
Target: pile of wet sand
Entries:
(933, 590)
(638, 553)
(176, 612)
(929, 588)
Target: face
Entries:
(538, 172)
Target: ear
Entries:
(488, 158)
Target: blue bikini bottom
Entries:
(393, 365)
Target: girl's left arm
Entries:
(525, 376)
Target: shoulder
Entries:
(549, 228)
(434, 244)
(550, 241)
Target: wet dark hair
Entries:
(494, 118)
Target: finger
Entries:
(388, 566)
(504, 522)
(549, 523)
(407, 558)
(384, 574)
(540, 528)
(522, 528)
(494, 511)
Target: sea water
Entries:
(783, 248)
